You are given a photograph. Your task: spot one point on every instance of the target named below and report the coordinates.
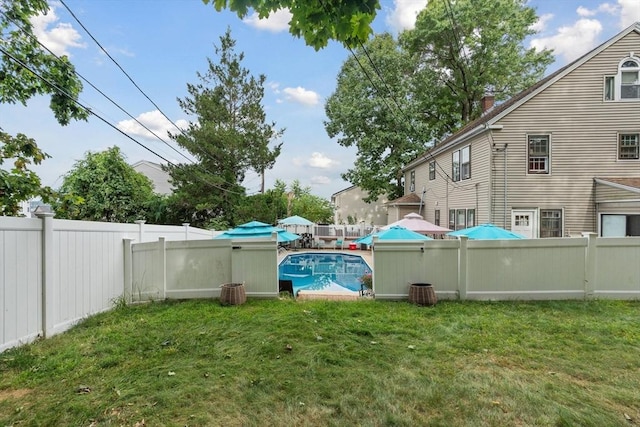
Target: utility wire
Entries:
(118, 65)
(91, 112)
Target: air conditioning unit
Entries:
(412, 188)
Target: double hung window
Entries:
(629, 146)
(551, 223)
(538, 153)
(461, 161)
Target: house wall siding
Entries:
(349, 203)
(583, 130)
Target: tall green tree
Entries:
(104, 187)
(373, 110)
(462, 49)
(317, 21)
(301, 202)
(228, 136)
(27, 70)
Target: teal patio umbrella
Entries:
(486, 232)
(257, 229)
(395, 232)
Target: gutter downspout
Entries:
(505, 186)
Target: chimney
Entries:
(486, 102)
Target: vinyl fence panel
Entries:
(197, 268)
(20, 279)
(526, 269)
(617, 267)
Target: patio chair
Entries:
(339, 244)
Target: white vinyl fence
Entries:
(196, 269)
(56, 272)
(531, 269)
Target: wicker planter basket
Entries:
(422, 294)
(232, 294)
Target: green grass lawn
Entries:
(369, 363)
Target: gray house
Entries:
(156, 174)
(558, 159)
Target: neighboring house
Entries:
(558, 159)
(349, 208)
(398, 208)
(154, 172)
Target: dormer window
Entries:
(626, 84)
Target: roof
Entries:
(484, 122)
(407, 199)
(629, 184)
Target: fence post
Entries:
(48, 285)
(590, 264)
(128, 272)
(162, 249)
(462, 267)
(140, 223)
(186, 230)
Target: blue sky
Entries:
(162, 44)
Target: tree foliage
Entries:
(19, 183)
(317, 21)
(464, 49)
(436, 76)
(228, 136)
(372, 110)
(104, 187)
(27, 69)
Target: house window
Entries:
(452, 219)
(461, 162)
(465, 162)
(629, 80)
(471, 217)
(437, 217)
(609, 88)
(538, 155)
(455, 168)
(551, 223)
(412, 184)
(461, 219)
(432, 170)
(629, 147)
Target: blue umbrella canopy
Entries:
(295, 220)
(395, 232)
(486, 232)
(256, 229)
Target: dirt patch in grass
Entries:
(14, 394)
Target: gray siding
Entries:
(583, 130)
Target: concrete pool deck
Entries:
(331, 295)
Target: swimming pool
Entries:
(323, 271)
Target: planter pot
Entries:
(232, 294)
(422, 294)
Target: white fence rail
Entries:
(56, 272)
(565, 268)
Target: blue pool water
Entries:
(318, 271)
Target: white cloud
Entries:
(541, 23)
(276, 22)
(320, 180)
(56, 36)
(155, 121)
(584, 12)
(629, 12)
(321, 161)
(572, 42)
(403, 16)
(275, 87)
(302, 95)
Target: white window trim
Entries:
(618, 146)
(548, 171)
(618, 78)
